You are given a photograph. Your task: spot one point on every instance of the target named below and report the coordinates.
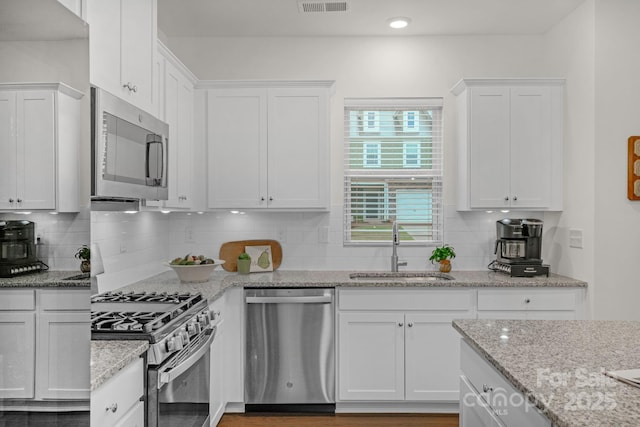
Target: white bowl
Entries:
(195, 273)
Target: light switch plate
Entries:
(575, 238)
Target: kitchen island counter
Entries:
(559, 364)
(45, 279)
(221, 280)
(108, 357)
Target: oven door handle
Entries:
(166, 377)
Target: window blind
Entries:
(393, 165)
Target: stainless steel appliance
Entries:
(129, 150)
(518, 247)
(180, 330)
(18, 249)
(290, 360)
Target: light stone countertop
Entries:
(558, 364)
(221, 280)
(109, 357)
(45, 279)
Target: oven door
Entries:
(178, 390)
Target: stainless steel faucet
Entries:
(396, 242)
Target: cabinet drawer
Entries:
(67, 299)
(18, 299)
(121, 392)
(510, 405)
(527, 299)
(133, 418)
(405, 299)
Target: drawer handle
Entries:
(113, 408)
(506, 199)
(486, 388)
(410, 324)
(400, 324)
(527, 300)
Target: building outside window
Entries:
(393, 173)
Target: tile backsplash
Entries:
(60, 236)
(128, 241)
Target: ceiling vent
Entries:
(305, 6)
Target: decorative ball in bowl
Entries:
(194, 269)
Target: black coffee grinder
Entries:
(518, 248)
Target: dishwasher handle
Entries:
(323, 299)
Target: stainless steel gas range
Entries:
(180, 330)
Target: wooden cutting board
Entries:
(229, 252)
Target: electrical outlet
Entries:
(188, 235)
(575, 238)
(282, 235)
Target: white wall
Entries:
(570, 47)
(617, 116)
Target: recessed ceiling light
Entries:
(399, 22)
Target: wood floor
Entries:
(340, 420)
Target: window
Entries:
(394, 175)
(371, 155)
(410, 121)
(411, 155)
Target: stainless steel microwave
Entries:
(129, 150)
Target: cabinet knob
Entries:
(19, 200)
(486, 388)
(506, 199)
(515, 198)
(262, 199)
(271, 198)
(400, 324)
(527, 300)
(113, 408)
(410, 324)
(10, 200)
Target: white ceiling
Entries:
(219, 18)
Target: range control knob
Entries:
(203, 319)
(171, 344)
(184, 336)
(194, 328)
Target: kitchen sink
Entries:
(402, 276)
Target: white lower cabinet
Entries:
(217, 401)
(45, 348)
(118, 402)
(531, 303)
(398, 345)
(488, 399)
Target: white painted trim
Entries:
(168, 55)
(465, 83)
(397, 407)
(57, 86)
(232, 84)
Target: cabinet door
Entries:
(298, 148)
(531, 147)
(133, 418)
(371, 356)
(17, 352)
(218, 399)
(432, 355)
(8, 159)
(178, 113)
(137, 55)
(237, 154)
(36, 183)
(63, 356)
(104, 44)
(489, 147)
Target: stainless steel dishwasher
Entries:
(290, 350)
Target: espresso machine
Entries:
(518, 248)
(18, 249)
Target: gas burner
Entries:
(163, 297)
(114, 321)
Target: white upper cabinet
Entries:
(268, 147)
(40, 134)
(176, 108)
(510, 143)
(122, 49)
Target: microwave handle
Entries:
(156, 139)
